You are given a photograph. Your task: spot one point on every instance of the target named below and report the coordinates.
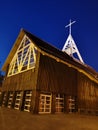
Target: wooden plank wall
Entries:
(22, 81)
(87, 94)
(56, 77)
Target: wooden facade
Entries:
(56, 83)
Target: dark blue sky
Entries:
(47, 20)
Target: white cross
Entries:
(69, 25)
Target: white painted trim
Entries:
(21, 60)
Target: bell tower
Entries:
(70, 46)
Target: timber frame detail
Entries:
(25, 57)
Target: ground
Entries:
(11, 119)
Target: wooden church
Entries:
(43, 79)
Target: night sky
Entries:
(47, 20)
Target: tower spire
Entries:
(70, 47)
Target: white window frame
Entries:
(24, 58)
(18, 100)
(43, 104)
(10, 99)
(72, 104)
(4, 98)
(59, 103)
(27, 102)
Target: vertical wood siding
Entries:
(22, 81)
(56, 77)
(87, 94)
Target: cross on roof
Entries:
(70, 47)
(69, 25)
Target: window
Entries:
(27, 101)
(71, 105)
(10, 99)
(4, 98)
(25, 57)
(18, 100)
(45, 104)
(59, 103)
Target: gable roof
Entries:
(52, 52)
